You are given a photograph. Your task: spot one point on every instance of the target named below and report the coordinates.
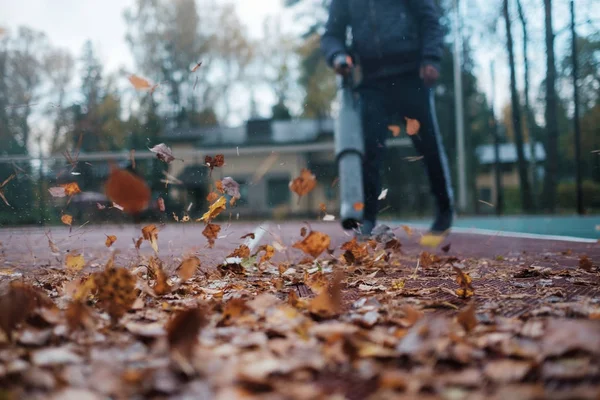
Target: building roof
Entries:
(508, 153)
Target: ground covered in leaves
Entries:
(304, 313)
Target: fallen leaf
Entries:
(446, 248)
(467, 318)
(211, 231)
(242, 251)
(74, 262)
(383, 194)
(303, 184)
(412, 126)
(161, 204)
(183, 329)
(127, 190)
(188, 268)
(139, 83)
(150, 233)
(231, 187)
(17, 302)
(586, 264)
(269, 252)
(55, 356)
(163, 153)
(314, 244)
(355, 252)
(507, 370)
(395, 130)
(358, 206)
(214, 210)
(248, 235)
(161, 285)
(327, 304)
(212, 196)
(110, 239)
(3, 185)
(115, 291)
(66, 219)
(232, 310)
(79, 316)
(464, 281)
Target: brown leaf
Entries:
(66, 219)
(211, 231)
(139, 83)
(160, 202)
(242, 251)
(183, 329)
(214, 210)
(355, 252)
(188, 268)
(79, 316)
(233, 309)
(314, 244)
(161, 286)
(327, 304)
(67, 189)
(464, 280)
(446, 248)
(74, 262)
(138, 242)
(427, 260)
(303, 231)
(17, 302)
(507, 370)
(408, 230)
(269, 252)
(163, 153)
(212, 196)
(195, 67)
(216, 162)
(393, 245)
(303, 184)
(248, 235)
(115, 291)
(395, 130)
(412, 126)
(110, 239)
(127, 190)
(467, 317)
(150, 233)
(586, 264)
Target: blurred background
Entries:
(518, 104)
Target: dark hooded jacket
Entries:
(389, 37)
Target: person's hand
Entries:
(429, 74)
(342, 64)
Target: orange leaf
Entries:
(71, 188)
(127, 190)
(188, 268)
(139, 82)
(161, 287)
(195, 67)
(358, 206)
(269, 252)
(464, 280)
(327, 304)
(212, 196)
(242, 251)
(110, 239)
(210, 232)
(66, 219)
(314, 244)
(219, 186)
(303, 184)
(412, 126)
(395, 130)
(150, 233)
(183, 329)
(322, 207)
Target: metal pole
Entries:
(459, 115)
(580, 209)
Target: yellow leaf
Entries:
(110, 239)
(74, 262)
(150, 233)
(412, 126)
(215, 209)
(408, 230)
(66, 219)
(431, 240)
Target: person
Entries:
(398, 45)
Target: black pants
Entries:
(388, 101)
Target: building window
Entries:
(278, 191)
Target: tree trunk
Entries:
(528, 123)
(551, 164)
(526, 202)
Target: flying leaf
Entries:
(3, 185)
(314, 244)
(163, 152)
(17, 303)
(446, 248)
(408, 230)
(219, 186)
(74, 262)
(211, 231)
(183, 329)
(161, 204)
(110, 239)
(358, 206)
(303, 184)
(383, 194)
(303, 231)
(161, 286)
(127, 190)
(115, 291)
(66, 219)
(269, 252)
(100, 206)
(328, 218)
(467, 318)
(67, 189)
(431, 240)
(150, 233)
(188, 268)
(464, 281)
(212, 196)
(217, 161)
(139, 83)
(53, 247)
(214, 210)
(242, 251)
(395, 130)
(248, 235)
(195, 67)
(412, 126)
(327, 304)
(231, 187)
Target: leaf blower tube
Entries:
(349, 151)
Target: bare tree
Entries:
(526, 201)
(59, 69)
